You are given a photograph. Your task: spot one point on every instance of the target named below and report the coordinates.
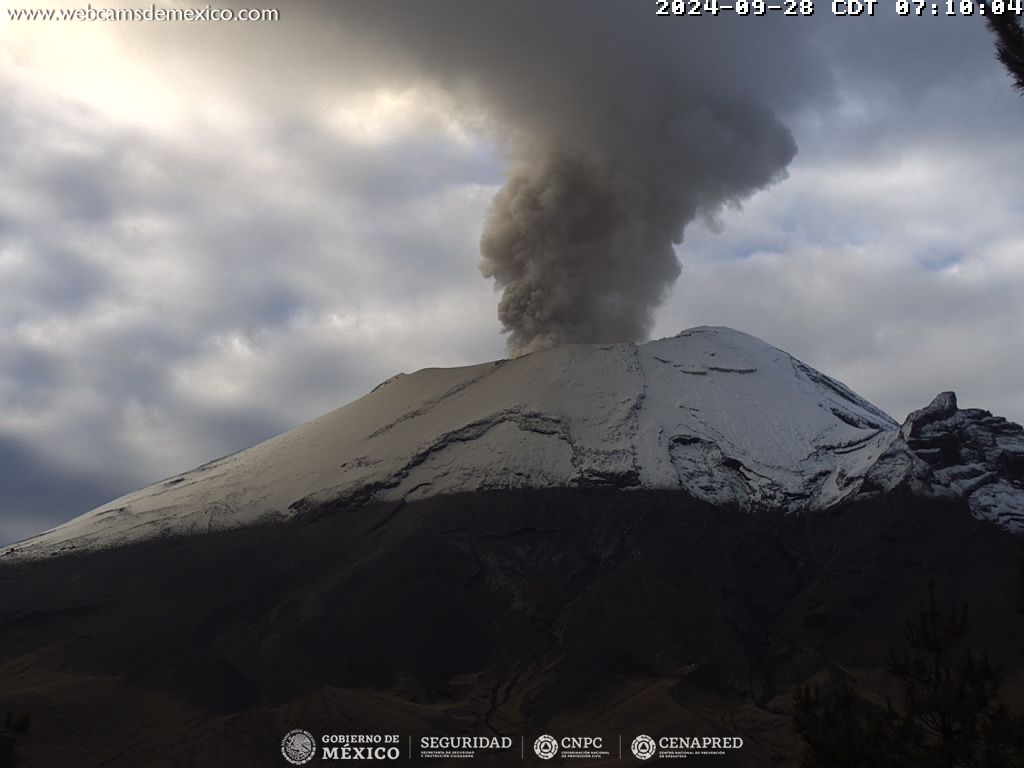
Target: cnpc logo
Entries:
(547, 746)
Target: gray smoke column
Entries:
(580, 240)
(620, 127)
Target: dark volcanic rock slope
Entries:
(501, 612)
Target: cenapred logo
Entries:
(546, 747)
(643, 747)
(298, 747)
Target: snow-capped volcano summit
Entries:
(588, 539)
(712, 412)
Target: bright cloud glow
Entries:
(386, 116)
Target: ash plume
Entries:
(620, 127)
(581, 243)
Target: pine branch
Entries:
(1006, 26)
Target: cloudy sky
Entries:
(212, 232)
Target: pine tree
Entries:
(837, 732)
(1009, 32)
(949, 703)
(950, 715)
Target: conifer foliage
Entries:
(949, 714)
(1008, 28)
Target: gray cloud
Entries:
(172, 293)
(39, 493)
(218, 297)
(890, 256)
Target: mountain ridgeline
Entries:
(670, 538)
(714, 413)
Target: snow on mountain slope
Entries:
(969, 454)
(714, 412)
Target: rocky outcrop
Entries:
(944, 452)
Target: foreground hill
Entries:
(560, 611)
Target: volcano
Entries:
(591, 541)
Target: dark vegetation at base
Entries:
(507, 612)
(11, 730)
(949, 715)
